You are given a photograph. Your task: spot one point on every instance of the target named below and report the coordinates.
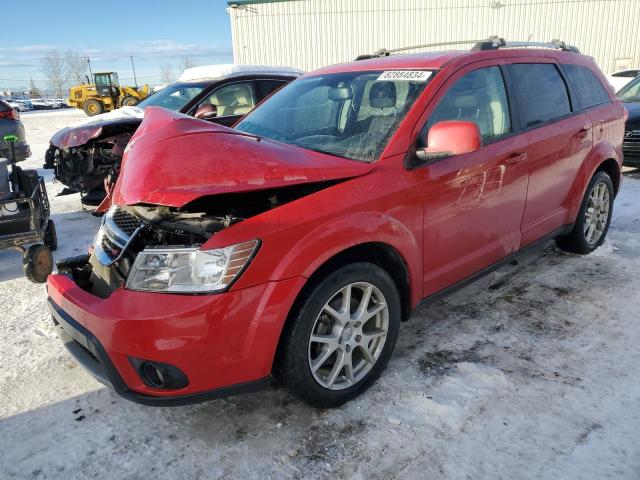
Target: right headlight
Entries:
(189, 270)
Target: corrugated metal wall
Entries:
(312, 33)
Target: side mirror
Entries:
(206, 112)
(448, 138)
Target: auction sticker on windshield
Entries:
(408, 75)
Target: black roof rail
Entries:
(494, 43)
(491, 43)
(383, 52)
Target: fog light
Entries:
(159, 375)
(153, 374)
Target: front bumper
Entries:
(224, 344)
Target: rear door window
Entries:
(586, 85)
(541, 92)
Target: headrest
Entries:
(465, 101)
(382, 95)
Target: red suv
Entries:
(296, 243)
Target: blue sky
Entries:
(155, 32)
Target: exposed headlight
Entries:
(189, 270)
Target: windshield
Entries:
(631, 92)
(173, 97)
(351, 114)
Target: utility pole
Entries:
(90, 72)
(133, 67)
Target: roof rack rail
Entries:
(383, 52)
(494, 43)
(491, 43)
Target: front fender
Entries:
(327, 240)
(298, 251)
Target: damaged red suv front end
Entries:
(171, 338)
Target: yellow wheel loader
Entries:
(105, 94)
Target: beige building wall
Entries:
(308, 34)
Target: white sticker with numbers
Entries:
(406, 75)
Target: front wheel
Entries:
(93, 107)
(594, 217)
(342, 335)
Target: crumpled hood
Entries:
(93, 127)
(174, 159)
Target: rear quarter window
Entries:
(541, 92)
(586, 85)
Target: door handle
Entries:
(516, 157)
(583, 132)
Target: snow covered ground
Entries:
(531, 373)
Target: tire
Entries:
(129, 101)
(93, 107)
(37, 263)
(50, 236)
(348, 337)
(597, 204)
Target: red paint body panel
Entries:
(446, 220)
(216, 340)
(185, 158)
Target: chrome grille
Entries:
(117, 231)
(110, 248)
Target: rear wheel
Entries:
(37, 263)
(129, 101)
(594, 217)
(341, 336)
(93, 107)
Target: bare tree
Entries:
(54, 70)
(166, 73)
(34, 92)
(76, 66)
(187, 62)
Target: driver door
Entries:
(474, 202)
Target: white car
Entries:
(621, 78)
(16, 105)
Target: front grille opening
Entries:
(125, 221)
(104, 280)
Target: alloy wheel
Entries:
(596, 213)
(348, 336)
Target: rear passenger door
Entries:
(558, 137)
(594, 100)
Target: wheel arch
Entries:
(612, 168)
(381, 254)
(603, 157)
